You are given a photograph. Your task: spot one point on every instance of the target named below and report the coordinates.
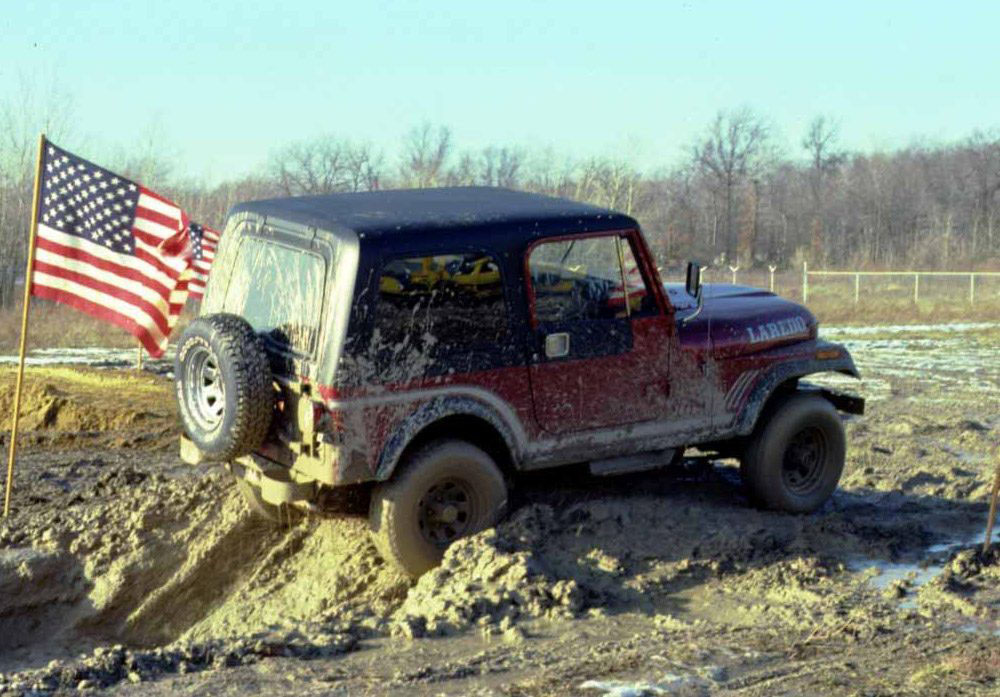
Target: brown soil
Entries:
(70, 407)
(666, 582)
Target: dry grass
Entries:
(882, 300)
(58, 326)
(896, 311)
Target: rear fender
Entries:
(433, 411)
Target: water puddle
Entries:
(94, 358)
(979, 628)
(668, 684)
(914, 574)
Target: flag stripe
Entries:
(110, 302)
(156, 214)
(102, 313)
(156, 312)
(127, 279)
(157, 231)
(151, 199)
(152, 255)
(77, 248)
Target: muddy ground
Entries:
(123, 570)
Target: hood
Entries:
(740, 319)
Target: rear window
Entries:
(279, 291)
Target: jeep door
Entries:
(599, 340)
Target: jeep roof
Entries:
(401, 213)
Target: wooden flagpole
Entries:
(988, 537)
(12, 447)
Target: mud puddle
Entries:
(909, 576)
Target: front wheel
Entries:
(446, 490)
(794, 461)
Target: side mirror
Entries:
(692, 285)
(693, 282)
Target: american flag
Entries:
(204, 242)
(110, 248)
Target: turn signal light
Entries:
(827, 354)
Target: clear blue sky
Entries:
(226, 82)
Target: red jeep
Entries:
(437, 342)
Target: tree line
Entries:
(735, 197)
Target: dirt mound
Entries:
(321, 571)
(45, 406)
(494, 578)
(61, 406)
(968, 585)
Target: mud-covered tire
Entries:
(224, 387)
(445, 479)
(794, 460)
(276, 514)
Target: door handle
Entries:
(557, 345)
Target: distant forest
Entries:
(735, 197)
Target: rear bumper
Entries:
(277, 484)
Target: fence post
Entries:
(857, 288)
(972, 289)
(916, 288)
(805, 282)
(772, 269)
(734, 269)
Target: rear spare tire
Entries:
(224, 387)
(446, 490)
(794, 460)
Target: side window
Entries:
(588, 278)
(439, 306)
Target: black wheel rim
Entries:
(804, 460)
(445, 512)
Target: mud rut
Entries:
(121, 565)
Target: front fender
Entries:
(782, 372)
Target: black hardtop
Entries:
(404, 212)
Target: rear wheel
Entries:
(446, 490)
(794, 461)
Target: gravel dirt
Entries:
(124, 570)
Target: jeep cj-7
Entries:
(434, 343)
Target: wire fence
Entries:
(856, 287)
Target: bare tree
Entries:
(425, 154)
(25, 113)
(728, 154)
(325, 165)
(820, 143)
(501, 167)
(148, 159)
(982, 153)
